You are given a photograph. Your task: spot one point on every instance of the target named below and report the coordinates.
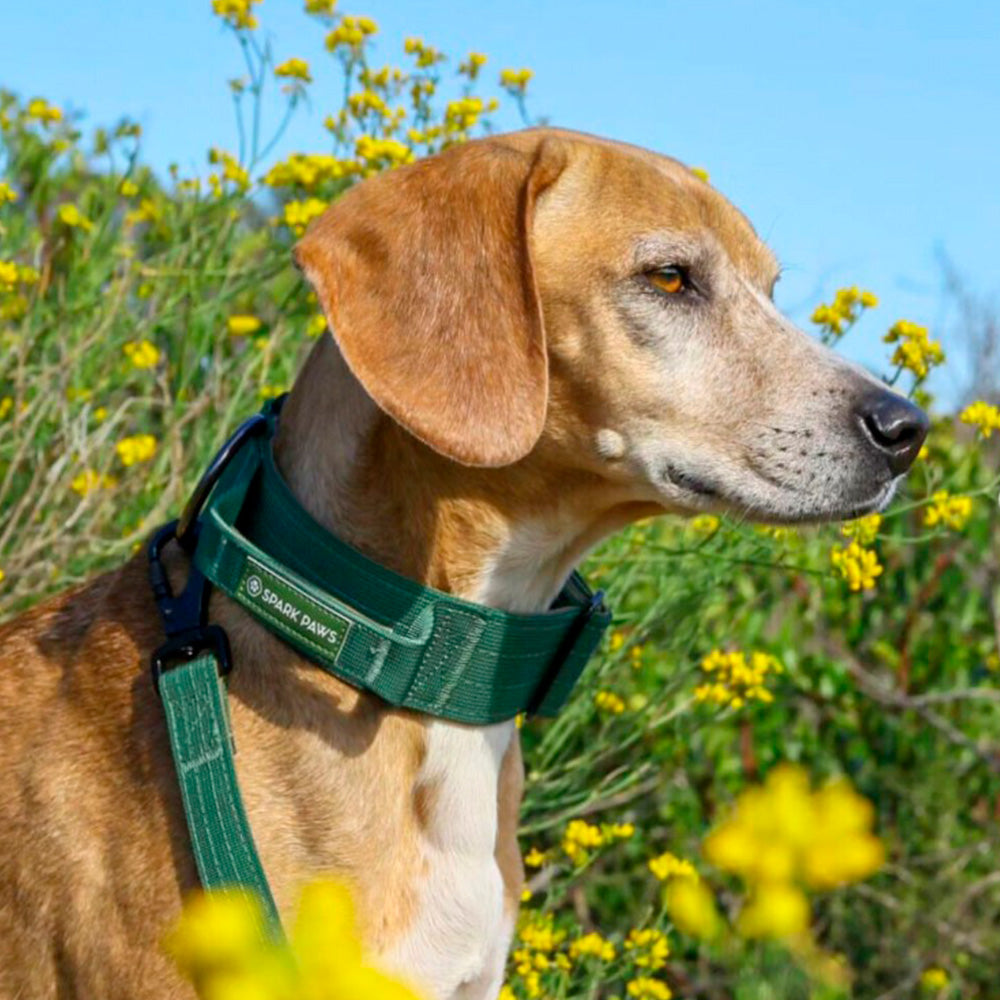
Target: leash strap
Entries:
(197, 713)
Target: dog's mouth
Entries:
(689, 482)
(763, 498)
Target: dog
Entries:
(534, 339)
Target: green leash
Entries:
(414, 647)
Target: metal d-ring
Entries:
(185, 534)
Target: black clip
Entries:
(183, 615)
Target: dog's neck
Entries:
(507, 538)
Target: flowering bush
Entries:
(671, 846)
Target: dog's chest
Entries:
(459, 939)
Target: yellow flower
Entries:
(7, 193)
(704, 524)
(608, 701)
(845, 310)
(775, 910)
(3, 576)
(232, 171)
(644, 988)
(862, 529)
(351, 33)
(320, 6)
(294, 69)
(472, 65)
(784, 834)
(647, 948)
(535, 858)
(667, 866)
(594, 946)
(858, 566)
(692, 908)
(236, 13)
(128, 189)
(6, 405)
(136, 449)
(242, 325)
(914, 350)
(580, 838)
(515, 81)
(141, 353)
(735, 680)
(298, 214)
(934, 978)
(71, 217)
(701, 173)
(89, 481)
(618, 831)
(952, 512)
(40, 109)
(218, 944)
(148, 211)
(982, 416)
(268, 391)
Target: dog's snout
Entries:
(895, 427)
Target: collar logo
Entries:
(279, 601)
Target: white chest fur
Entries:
(458, 944)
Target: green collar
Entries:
(413, 646)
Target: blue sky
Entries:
(858, 137)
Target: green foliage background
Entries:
(894, 687)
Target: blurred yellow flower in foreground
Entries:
(219, 946)
(692, 908)
(136, 449)
(782, 836)
(7, 193)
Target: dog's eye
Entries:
(668, 279)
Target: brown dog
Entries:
(537, 338)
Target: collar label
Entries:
(289, 609)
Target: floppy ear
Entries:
(426, 279)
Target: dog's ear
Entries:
(426, 279)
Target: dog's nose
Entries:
(895, 427)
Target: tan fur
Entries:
(503, 391)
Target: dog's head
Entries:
(552, 294)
